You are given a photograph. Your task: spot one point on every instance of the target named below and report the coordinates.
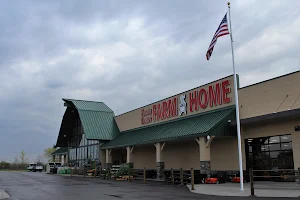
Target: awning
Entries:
(213, 123)
(60, 151)
(273, 117)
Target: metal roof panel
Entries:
(209, 123)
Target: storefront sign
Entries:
(194, 101)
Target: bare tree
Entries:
(48, 153)
(40, 160)
(16, 161)
(23, 159)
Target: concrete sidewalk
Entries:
(3, 194)
(262, 189)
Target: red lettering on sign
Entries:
(202, 98)
(164, 110)
(193, 101)
(172, 107)
(154, 112)
(215, 95)
(212, 95)
(142, 118)
(158, 116)
(225, 91)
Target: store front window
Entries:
(81, 150)
(269, 153)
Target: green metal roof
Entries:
(214, 123)
(89, 105)
(62, 150)
(97, 121)
(98, 125)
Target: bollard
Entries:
(251, 181)
(129, 174)
(172, 176)
(181, 177)
(144, 174)
(193, 180)
(100, 172)
(299, 175)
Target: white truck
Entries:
(52, 167)
(33, 167)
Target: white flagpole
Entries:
(236, 107)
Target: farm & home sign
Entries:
(208, 97)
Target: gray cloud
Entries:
(126, 54)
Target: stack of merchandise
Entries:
(63, 170)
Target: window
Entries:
(81, 148)
(274, 147)
(269, 152)
(286, 146)
(286, 138)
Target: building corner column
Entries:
(67, 160)
(108, 161)
(129, 159)
(160, 164)
(204, 152)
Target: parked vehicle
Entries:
(33, 167)
(52, 167)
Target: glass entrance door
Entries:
(269, 153)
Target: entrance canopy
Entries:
(213, 123)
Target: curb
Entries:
(3, 194)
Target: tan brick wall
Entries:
(265, 98)
(144, 156)
(182, 155)
(224, 154)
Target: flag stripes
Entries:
(221, 31)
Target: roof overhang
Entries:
(276, 116)
(214, 123)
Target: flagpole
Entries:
(236, 107)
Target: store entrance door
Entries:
(270, 153)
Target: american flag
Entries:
(222, 30)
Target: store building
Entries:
(194, 129)
(60, 155)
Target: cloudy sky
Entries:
(127, 54)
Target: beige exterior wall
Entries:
(277, 128)
(266, 97)
(132, 119)
(144, 156)
(181, 155)
(102, 157)
(224, 154)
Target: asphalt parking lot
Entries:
(41, 186)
